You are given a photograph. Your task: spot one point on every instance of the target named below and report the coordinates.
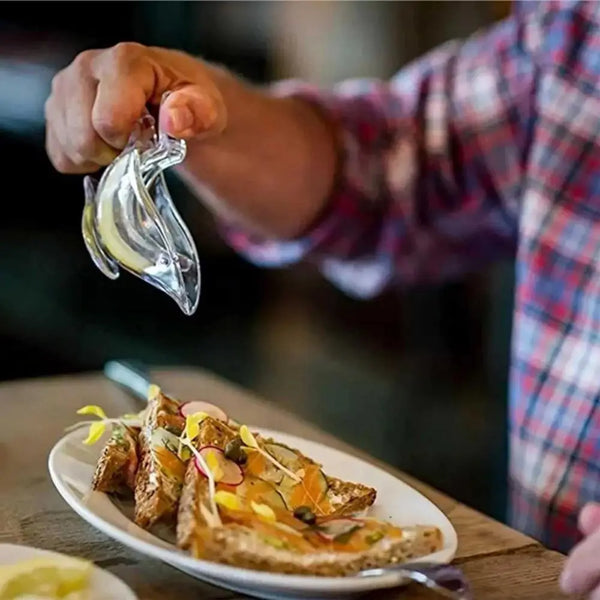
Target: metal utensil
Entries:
(132, 376)
(447, 580)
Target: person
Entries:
(483, 148)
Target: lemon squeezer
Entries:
(130, 222)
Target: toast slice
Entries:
(161, 472)
(266, 547)
(117, 467)
(195, 487)
(259, 528)
(264, 483)
(248, 501)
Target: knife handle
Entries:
(132, 376)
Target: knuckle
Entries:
(61, 163)
(48, 108)
(126, 52)
(83, 60)
(78, 158)
(57, 82)
(83, 143)
(107, 126)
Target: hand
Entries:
(97, 99)
(268, 164)
(581, 573)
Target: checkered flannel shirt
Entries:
(481, 149)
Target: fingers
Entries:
(72, 144)
(97, 100)
(59, 159)
(589, 518)
(581, 574)
(193, 111)
(126, 80)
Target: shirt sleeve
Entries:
(432, 167)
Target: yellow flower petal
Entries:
(153, 391)
(192, 425)
(213, 464)
(264, 511)
(92, 409)
(95, 433)
(228, 500)
(247, 437)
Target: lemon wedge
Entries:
(46, 578)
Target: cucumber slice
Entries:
(288, 458)
(310, 492)
(261, 492)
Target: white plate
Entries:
(103, 585)
(72, 465)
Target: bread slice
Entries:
(267, 485)
(246, 547)
(161, 472)
(117, 467)
(195, 487)
(262, 522)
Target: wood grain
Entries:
(501, 563)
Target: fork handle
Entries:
(132, 376)
(447, 580)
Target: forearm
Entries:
(272, 169)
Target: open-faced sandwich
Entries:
(235, 497)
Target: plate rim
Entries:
(248, 577)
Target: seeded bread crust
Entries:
(242, 547)
(156, 495)
(117, 466)
(345, 497)
(350, 498)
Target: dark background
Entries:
(417, 378)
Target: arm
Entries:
(271, 170)
(432, 167)
(429, 163)
(260, 162)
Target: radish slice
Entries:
(232, 473)
(191, 408)
(337, 529)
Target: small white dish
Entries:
(103, 585)
(72, 464)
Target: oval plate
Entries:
(103, 585)
(72, 465)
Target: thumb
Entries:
(193, 111)
(589, 518)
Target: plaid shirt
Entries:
(483, 149)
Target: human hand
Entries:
(96, 101)
(581, 573)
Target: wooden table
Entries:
(500, 562)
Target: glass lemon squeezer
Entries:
(130, 221)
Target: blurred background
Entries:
(416, 378)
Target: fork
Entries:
(448, 581)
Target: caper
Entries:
(374, 537)
(235, 452)
(305, 514)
